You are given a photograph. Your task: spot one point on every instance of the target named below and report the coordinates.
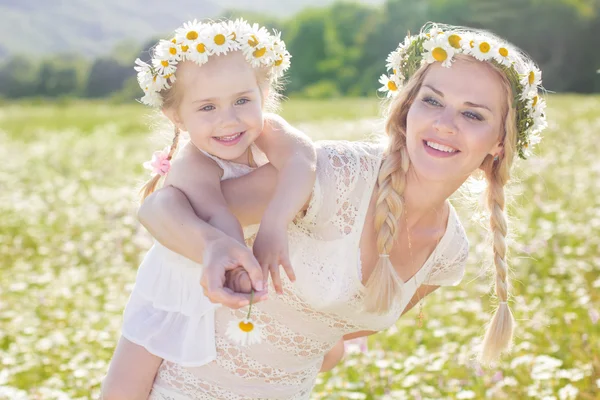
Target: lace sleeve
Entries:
(449, 267)
(346, 172)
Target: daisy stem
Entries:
(251, 299)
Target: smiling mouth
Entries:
(229, 138)
(440, 147)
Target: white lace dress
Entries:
(167, 312)
(325, 302)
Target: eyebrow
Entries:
(468, 103)
(216, 98)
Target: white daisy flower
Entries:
(244, 331)
(168, 50)
(467, 42)
(198, 53)
(237, 28)
(394, 60)
(164, 67)
(189, 33)
(502, 54)
(282, 62)
(454, 40)
(483, 49)
(219, 39)
(438, 49)
(435, 32)
(390, 85)
(152, 99)
(255, 36)
(531, 79)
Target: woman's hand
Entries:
(223, 254)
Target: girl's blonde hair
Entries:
(270, 89)
(384, 285)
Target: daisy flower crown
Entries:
(196, 41)
(441, 44)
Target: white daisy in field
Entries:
(244, 332)
(390, 85)
(482, 49)
(219, 39)
(438, 49)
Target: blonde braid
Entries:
(498, 337)
(150, 186)
(384, 284)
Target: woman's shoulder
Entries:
(363, 148)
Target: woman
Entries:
(379, 233)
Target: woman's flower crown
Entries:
(196, 41)
(436, 44)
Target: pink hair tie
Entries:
(160, 163)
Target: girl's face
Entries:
(221, 105)
(455, 120)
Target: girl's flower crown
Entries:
(435, 44)
(196, 41)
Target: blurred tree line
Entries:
(341, 50)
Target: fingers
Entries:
(276, 277)
(287, 267)
(254, 270)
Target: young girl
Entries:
(213, 81)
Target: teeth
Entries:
(441, 147)
(229, 138)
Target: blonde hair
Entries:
(171, 98)
(384, 284)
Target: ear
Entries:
(497, 150)
(174, 117)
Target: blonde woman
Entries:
(378, 234)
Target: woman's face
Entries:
(455, 120)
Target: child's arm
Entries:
(333, 356)
(203, 189)
(293, 154)
(204, 192)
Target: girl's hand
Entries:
(238, 280)
(271, 250)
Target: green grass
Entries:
(70, 246)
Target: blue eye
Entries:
(473, 116)
(209, 107)
(431, 101)
(242, 101)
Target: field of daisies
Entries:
(70, 245)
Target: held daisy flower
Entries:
(244, 332)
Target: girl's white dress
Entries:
(167, 312)
(325, 302)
